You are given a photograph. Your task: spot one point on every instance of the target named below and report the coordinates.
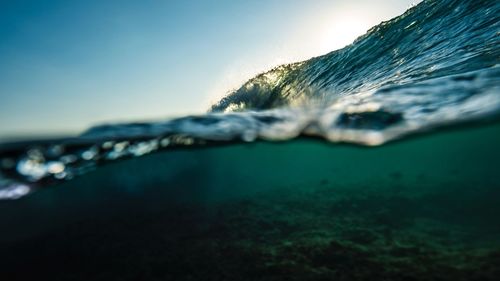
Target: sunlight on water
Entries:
(378, 161)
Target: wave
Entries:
(436, 65)
(436, 39)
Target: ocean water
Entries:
(379, 161)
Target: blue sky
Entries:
(66, 65)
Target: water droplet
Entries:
(121, 146)
(90, 154)
(144, 147)
(108, 145)
(165, 142)
(14, 191)
(55, 167)
(60, 176)
(32, 169)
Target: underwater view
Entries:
(377, 161)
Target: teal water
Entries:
(433, 67)
(425, 208)
(379, 161)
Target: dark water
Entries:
(379, 161)
(426, 208)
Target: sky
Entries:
(68, 65)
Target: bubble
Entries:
(144, 147)
(165, 142)
(121, 146)
(89, 154)
(14, 191)
(31, 168)
(108, 145)
(55, 167)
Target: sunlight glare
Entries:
(342, 31)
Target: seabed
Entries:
(425, 208)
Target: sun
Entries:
(342, 31)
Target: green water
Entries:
(426, 208)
